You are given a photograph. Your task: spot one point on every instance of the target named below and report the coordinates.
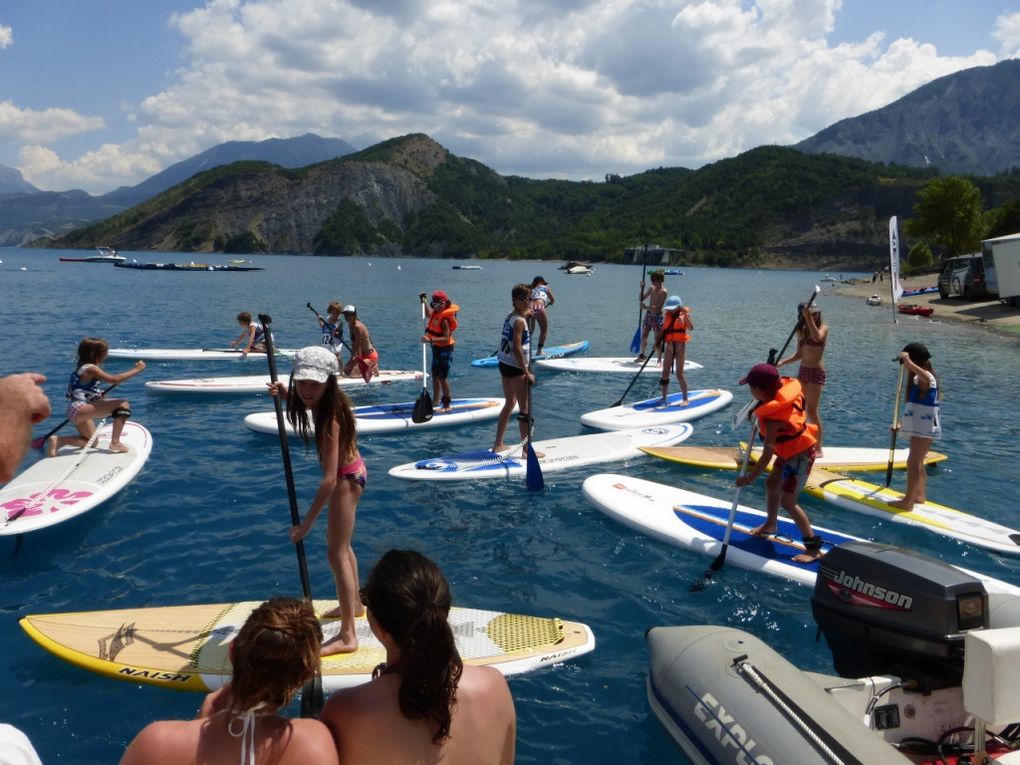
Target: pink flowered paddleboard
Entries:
(56, 489)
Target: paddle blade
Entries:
(635, 344)
(533, 478)
(422, 411)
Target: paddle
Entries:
(635, 344)
(655, 346)
(311, 694)
(894, 430)
(720, 559)
(533, 478)
(422, 411)
(38, 443)
(319, 317)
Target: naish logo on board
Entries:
(728, 732)
(154, 674)
(844, 585)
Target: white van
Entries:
(1001, 258)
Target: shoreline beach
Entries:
(992, 315)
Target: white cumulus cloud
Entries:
(6, 36)
(1007, 32)
(43, 126)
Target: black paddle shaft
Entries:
(295, 516)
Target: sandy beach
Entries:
(989, 314)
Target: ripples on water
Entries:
(206, 521)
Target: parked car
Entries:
(963, 276)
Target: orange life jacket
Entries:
(787, 407)
(674, 329)
(435, 325)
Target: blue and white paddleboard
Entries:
(652, 411)
(607, 365)
(554, 454)
(552, 352)
(392, 418)
(698, 522)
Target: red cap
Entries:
(762, 376)
(440, 295)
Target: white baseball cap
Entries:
(315, 362)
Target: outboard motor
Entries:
(885, 610)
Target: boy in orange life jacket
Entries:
(442, 321)
(788, 435)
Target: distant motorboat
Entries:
(237, 262)
(467, 268)
(106, 255)
(874, 300)
(829, 278)
(581, 270)
(672, 272)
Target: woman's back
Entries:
(278, 741)
(371, 730)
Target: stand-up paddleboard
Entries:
(187, 647)
(870, 499)
(248, 384)
(833, 457)
(552, 352)
(56, 489)
(392, 418)
(193, 354)
(607, 364)
(554, 454)
(652, 411)
(698, 522)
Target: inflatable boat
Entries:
(928, 665)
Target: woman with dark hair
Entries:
(423, 705)
(920, 420)
(812, 334)
(274, 654)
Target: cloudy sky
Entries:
(100, 94)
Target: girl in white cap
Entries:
(676, 326)
(314, 387)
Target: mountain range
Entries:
(411, 196)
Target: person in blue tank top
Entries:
(514, 355)
(920, 420)
(86, 400)
(332, 330)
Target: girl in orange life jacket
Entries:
(787, 435)
(442, 321)
(674, 337)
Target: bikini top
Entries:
(246, 732)
(817, 344)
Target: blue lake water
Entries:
(207, 519)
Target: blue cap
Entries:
(672, 303)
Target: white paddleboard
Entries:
(247, 384)
(698, 522)
(56, 489)
(652, 411)
(871, 499)
(392, 418)
(556, 454)
(187, 648)
(551, 352)
(193, 354)
(608, 364)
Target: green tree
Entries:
(919, 255)
(1005, 220)
(949, 213)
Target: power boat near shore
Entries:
(577, 268)
(874, 300)
(104, 255)
(928, 663)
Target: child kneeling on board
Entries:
(787, 435)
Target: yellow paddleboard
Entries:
(186, 647)
(834, 457)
